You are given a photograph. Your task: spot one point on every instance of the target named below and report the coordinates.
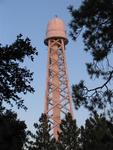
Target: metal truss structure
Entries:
(58, 97)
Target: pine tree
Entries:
(93, 20)
(42, 139)
(69, 135)
(97, 134)
(12, 131)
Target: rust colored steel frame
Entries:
(58, 98)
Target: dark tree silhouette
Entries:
(97, 134)
(94, 21)
(42, 139)
(12, 131)
(69, 136)
(14, 77)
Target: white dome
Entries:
(56, 29)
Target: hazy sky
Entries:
(30, 18)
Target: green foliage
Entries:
(97, 134)
(69, 136)
(41, 139)
(92, 99)
(12, 131)
(78, 94)
(15, 79)
(94, 21)
(96, 18)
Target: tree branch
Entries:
(104, 85)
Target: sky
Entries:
(30, 18)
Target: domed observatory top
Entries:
(56, 29)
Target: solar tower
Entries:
(58, 99)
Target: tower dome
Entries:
(56, 29)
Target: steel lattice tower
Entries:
(58, 98)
